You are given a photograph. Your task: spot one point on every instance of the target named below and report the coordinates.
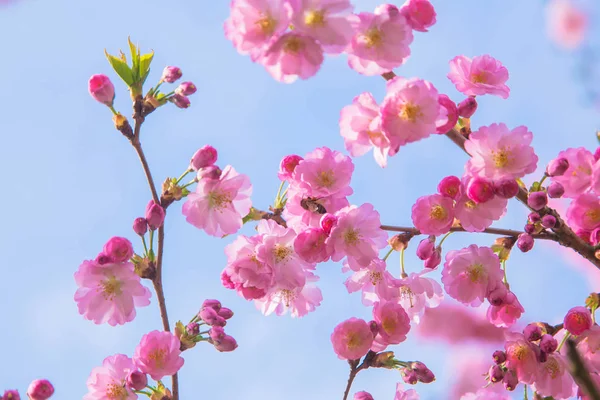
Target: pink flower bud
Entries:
(595, 237)
(525, 242)
(555, 190)
(287, 166)
(193, 329)
(211, 172)
(137, 380)
(578, 320)
(11, 395)
(228, 343)
(171, 74)
(451, 114)
(548, 344)
(534, 217)
(180, 100)
(140, 226)
(467, 107)
(204, 157)
(548, 221)
(363, 396)
(103, 259)
(328, 221)
(409, 376)
(537, 200)
(498, 296)
(420, 14)
(119, 249)
(210, 316)
(506, 188)
(532, 332)
(211, 303)
(225, 312)
(216, 333)
(510, 380)
(374, 326)
(557, 167)
(530, 228)
(449, 187)
(424, 374)
(426, 247)
(389, 9)
(496, 373)
(186, 89)
(40, 389)
(499, 356)
(435, 259)
(102, 89)
(480, 190)
(155, 215)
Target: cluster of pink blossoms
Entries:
(39, 389)
(290, 37)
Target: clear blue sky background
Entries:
(70, 182)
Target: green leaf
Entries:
(135, 60)
(144, 66)
(121, 68)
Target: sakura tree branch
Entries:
(580, 373)
(565, 235)
(355, 368)
(493, 231)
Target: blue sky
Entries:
(71, 182)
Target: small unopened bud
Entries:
(211, 303)
(537, 200)
(409, 376)
(193, 329)
(530, 229)
(497, 297)
(327, 222)
(506, 188)
(384, 360)
(510, 380)
(480, 190)
(210, 316)
(363, 396)
(578, 320)
(435, 259)
(225, 312)
(137, 380)
(103, 259)
(155, 215)
(449, 187)
(171, 74)
(204, 157)
(426, 247)
(186, 89)
(11, 395)
(467, 107)
(499, 356)
(532, 332)
(216, 333)
(525, 242)
(548, 221)
(424, 374)
(140, 226)
(119, 249)
(548, 344)
(555, 190)
(496, 373)
(40, 389)
(288, 165)
(180, 100)
(557, 167)
(534, 217)
(102, 89)
(226, 344)
(211, 172)
(400, 241)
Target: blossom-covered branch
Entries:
(493, 231)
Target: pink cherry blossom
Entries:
(218, 205)
(40, 389)
(299, 301)
(469, 274)
(310, 245)
(357, 235)
(566, 24)
(521, 357)
(433, 215)
(109, 293)
(324, 172)
(118, 249)
(416, 293)
(402, 394)
(478, 76)
(475, 217)
(393, 323)
(578, 320)
(409, 111)
(448, 115)
(109, 380)
(352, 339)
(589, 347)
(367, 278)
(158, 354)
(326, 21)
(253, 24)
(500, 153)
(584, 212)
(380, 43)
(553, 378)
(360, 126)
(486, 394)
(293, 56)
(102, 89)
(578, 177)
(299, 218)
(507, 313)
(420, 14)
(287, 166)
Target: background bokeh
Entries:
(70, 182)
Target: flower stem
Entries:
(144, 243)
(444, 238)
(277, 201)
(403, 272)
(182, 176)
(563, 341)
(525, 392)
(388, 254)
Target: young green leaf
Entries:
(121, 68)
(144, 67)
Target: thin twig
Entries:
(580, 373)
(493, 231)
(355, 368)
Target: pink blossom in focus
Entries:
(40, 389)
(416, 293)
(324, 172)
(478, 76)
(310, 245)
(253, 24)
(102, 89)
(420, 14)
(553, 378)
(109, 380)
(326, 21)
(293, 56)
(298, 218)
(578, 320)
(118, 249)
(299, 301)
(506, 314)
(469, 274)
(409, 111)
(109, 293)
(566, 24)
(475, 217)
(521, 357)
(287, 166)
(357, 235)
(433, 215)
(158, 354)
(367, 279)
(448, 115)
(584, 212)
(360, 126)
(402, 394)
(589, 347)
(393, 323)
(380, 43)
(500, 153)
(352, 339)
(218, 206)
(578, 177)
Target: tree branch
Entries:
(355, 368)
(565, 235)
(580, 373)
(493, 231)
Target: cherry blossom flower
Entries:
(109, 380)
(475, 217)
(324, 172)
(402, 394)
(299, 218)
(420, 14)
(416, 293)
(584, 212)
(521, 357)
(578, 177)
(158, 354)
(393, 323)
(478, 76)
(566, 24)
(352, 339)
(433, 215)
(507, 313)
(298, 301)
(553, 378)
(578, 320)
(310, 245)
(368, 279)
(292, 56)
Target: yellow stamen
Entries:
(114, 391)
(410, 112)
(111, 288)
(281, 253)
(438, 212)
(502, 158)
(351, 237)
(326, 178)
(476, 273)
(373, 37)
(293, 44)
(315, 18)
(267, 25)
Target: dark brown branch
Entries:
(580, 373)
(355, 368)
(493, 231)
(565, 235)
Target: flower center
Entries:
(502, 158)
(218, 200)
(476, 273)
(293, 44)
(389, 325)
(351, 236)
(581, 168)
(438, 212)
(593, 215)
(326, 178)
(520, 352)
(407, 293)
(267, 25)
(552, 367)
(315, 18)
(111, 287)
(376, 277)
(480, 77)
(373, 37)
(353, 340)
(288, 296)
(410, 112)
(470, 204)
(281, 253)
(158, 357)
(114, 391)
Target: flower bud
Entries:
(534, 217)
(467, 107)
(555, 190)
(435, 259)
(137, 380)
(449, 187)
(210, 316)
(180, 100)
(193, 329)
(287, 166)
(409, 376)
(186, 89)
(216, 333)
(530, 229)
(400, 241)
(211, 172)
(532, 332)
(155, 215)
(424, 374)
(140, 226)
(102, 89)
(525, 242)
(595, 237)
(383, 360)
(40, 389)
(557, 167)
(497, 297)
(578, 320)
(171, 74)
(211, 303)
(537, 200)
(548, 221)
(506, 188)
(225, 312)
(426, 247)
(226, 344)
(499, 356)
(548, 344)
(496, 373)
(480, 190)
(119, 249)
(374, 326)
(363, 396)
(328, 221)
(419, 14)
(510, 380)
(204, 157)
(102, 259)
(11, 395)
(451, 115)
